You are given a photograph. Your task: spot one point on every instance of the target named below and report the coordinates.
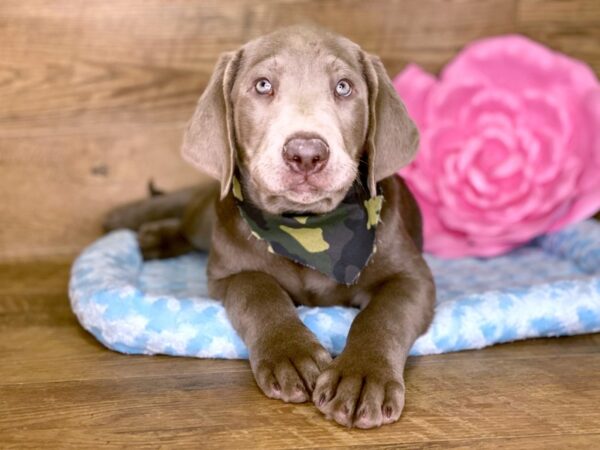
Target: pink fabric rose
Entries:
(510, 146)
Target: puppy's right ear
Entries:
(209, 140)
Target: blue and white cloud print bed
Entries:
(548, 288)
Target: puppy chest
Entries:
(312, 288)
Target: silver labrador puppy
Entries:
(304, 126)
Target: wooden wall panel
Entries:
(94, 94)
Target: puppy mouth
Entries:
(307, 190)
(302, 196)
(314, 193)
(308, 182)
(309, 197)
(304, 187)
(302, 203)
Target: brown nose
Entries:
(306, 156)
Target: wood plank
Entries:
(57, 189)
(469, 400)
(572, 27)
(547, 442)
(580, 13)
(30, 277)
(90, 62)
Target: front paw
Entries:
(286, 366)
(361, 392)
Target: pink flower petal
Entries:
(413, 85)
(510, 146)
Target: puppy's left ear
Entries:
(392, 138)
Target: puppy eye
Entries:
(343, 88)
(263, 87)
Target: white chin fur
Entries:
(281, 197)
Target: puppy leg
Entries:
(364, 386)
(135, 214)
(162, 239)
(286, 358)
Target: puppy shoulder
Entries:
(400, 215)
(234, 248)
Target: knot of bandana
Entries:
(339, 243)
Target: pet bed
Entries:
(550, 287)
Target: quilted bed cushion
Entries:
(548, 288)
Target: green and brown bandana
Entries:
(338, 243)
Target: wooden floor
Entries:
(60, 388)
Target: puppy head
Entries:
(296, 111)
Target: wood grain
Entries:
(59, 388)
(57, 187)
(94, 94)
(93, 99)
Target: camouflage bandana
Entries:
(338, 243)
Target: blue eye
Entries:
(343, 88)
(263, 87)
